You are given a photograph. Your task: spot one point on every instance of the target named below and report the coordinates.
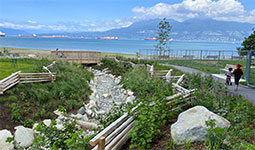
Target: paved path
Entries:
(246, 92)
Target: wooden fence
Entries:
(115, 135)
(19, 77)
(80, 57)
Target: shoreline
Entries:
(47, 52)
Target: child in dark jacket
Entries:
(228, 76)
(238, 72)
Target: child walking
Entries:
(238, 72)
(228, 76)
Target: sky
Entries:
(102, 15)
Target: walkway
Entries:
(246, 92)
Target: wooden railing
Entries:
(19, 77)
(115, 135)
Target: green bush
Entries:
(15, 112)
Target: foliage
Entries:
(38, 100)
(247, 45)
(164, 29)
(170, 145)
(114, 113)
(69, 137)
(114, 67)
(215, 136)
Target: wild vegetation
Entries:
(26, 103)
(149, 120)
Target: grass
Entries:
(36, 101)
(211, 66)
(9, 66)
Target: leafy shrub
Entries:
(15, 112)
(70, 137)
(28, 123)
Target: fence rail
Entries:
(19, 77)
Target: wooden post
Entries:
(101, 143)
(1, 89)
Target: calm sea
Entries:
(116, 46)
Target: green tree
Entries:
(163, 37)
(247, 45)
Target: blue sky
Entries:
(100, 15)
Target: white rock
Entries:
(47, 122)
(79, 116)
(85, 117)
(57, 112)
(89, 112)
(4, 134)
(130, 93)
(81, 111)
(87, 125)
(105, 95)
(191, 124)
(130, 99)
(59, 126)
(92, 104)
(24, 136)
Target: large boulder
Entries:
(24, 136)
(191, 124)
(4, 134)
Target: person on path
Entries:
(238, 72)
(57, 53)
(228, 76)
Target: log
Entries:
(36, 73)
(87, 125)
(101, 144)
(10, 86)
(180, 79)
(122, 141)
(118, 130)
(7, 78)
(28, 79)
(180, 88)
(10, 82)
(34, 81)
(118, 138)
(108, 129)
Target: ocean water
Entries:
(116, 46)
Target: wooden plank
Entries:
(180, 88)
(7, 78)
(118, 130)
(27, 79)
(36, 74)
(35, 81)
(10, 86)
(108, 129)
(122, 141)
(10, 82)
(101, 143)
(118, 138)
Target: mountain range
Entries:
(194, 29)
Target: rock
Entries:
(4, 134)
(130, 93)
(130, 99)
(85, 117)
(24, 136)
(47, 122)
(89, 112)
(105, 95)
(87, 125)
(57, 112)
(81, 111)
(92, 104)
(191, 124)
(34, 126)
(79, 116)
(59, 126)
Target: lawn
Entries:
(211, 66)
(9, 66)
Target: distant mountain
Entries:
(194, 29)
(9, 31)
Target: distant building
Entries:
(108, 38)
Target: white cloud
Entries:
(228, 10)
(31, 22)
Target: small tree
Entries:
(163, 37)
(247, 45)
